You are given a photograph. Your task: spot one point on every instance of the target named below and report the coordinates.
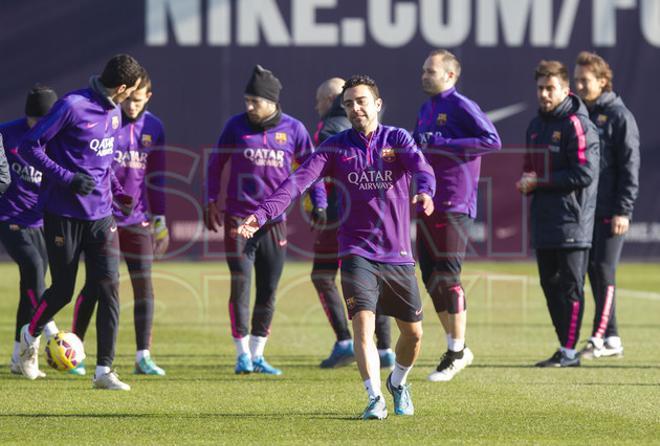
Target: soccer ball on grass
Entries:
(64, 351)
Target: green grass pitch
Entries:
(500, 399)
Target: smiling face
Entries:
(362, 108)
(587, 85)
(550, 92)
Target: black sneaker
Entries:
(559, 359)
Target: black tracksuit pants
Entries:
(66, 239)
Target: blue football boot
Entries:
(261, 366)
(403, 404)
(339, 357)
(387, 359)
(244, 364)
(375, 410)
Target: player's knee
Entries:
(414, 333)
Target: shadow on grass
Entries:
(196, 416)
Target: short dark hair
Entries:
(145, 81)
(549, 68)
(449, 60)
(600, 68)
(122, 69)
(361, 79)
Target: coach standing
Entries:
(617, 190)
(79, 137)
(563, 181)
(454, 133)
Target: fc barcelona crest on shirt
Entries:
(388, 154)
(441, 119)
(115, 122)
(556, 136)
(146, 140)
(601, 120)
(280, 137)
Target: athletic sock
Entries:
(101, 370)
(373, 387)
(141, 354)
(569, 352)
(456, 345)
(242, 346)
(50, 329)
(399, 374)
(450, 340)
(15, 357)
(597, 342)
(257, 345)
(345, 343)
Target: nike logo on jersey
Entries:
(348, 158)
(91, 125)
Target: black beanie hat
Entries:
(39, 101)
(264, 84)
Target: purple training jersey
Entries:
(454, 133)
(79, 134)
(139, 166)
(260, 162)
(374, 176)
(18, 204)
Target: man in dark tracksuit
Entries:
(262, 145)
(79, 138)
(21, 224)
(326, 247)
(561, 173)
(617, 190)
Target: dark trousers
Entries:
(562, 274)
(136, 245)
(265, 252)
(603, 260)
(66, 239)
(26, 247)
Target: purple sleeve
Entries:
(317, 192)
(155, 176)
(315, 167)
(115, 186)
(414, 162)
(32, 146)
(217, 161)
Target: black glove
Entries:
(319, 218)
(125, 203)
(82, 184)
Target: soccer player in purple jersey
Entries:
(377, 166)
(21, 225)
(326, 263)
(262, 146)
(618, 186)
(454, 133)
(139, 166)
(79, 136)
(5, 176)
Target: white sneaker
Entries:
(28, 361)
(612, 351)
(110, 381)
(450, 366)
(15, 369)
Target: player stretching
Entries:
(617, 190)
(139, 165)
(262, 146)
(375, 164)
(21, 225)
(454, 133)
(79, 137)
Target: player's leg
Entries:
(572, 270)
(268, 267)
(101, 248)
(384, 341)
(136, 245)
(240, 259)
(548, 266)
(361, 289)
(63, 244)
(603, 260)
(83, 310)
(401, 299)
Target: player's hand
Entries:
(82, 184)
(319, 218)
(425, 201)
(161, 236)
(620, 224)
(212, 218)
(527, 183)
(249, 226)
(125, 203)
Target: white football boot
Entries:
(450, 366)
(28, 361)
(110, 381)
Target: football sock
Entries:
(373, 387)
(399, 374)
(242, 345)
(140, 354)
(15, 355)
(613, 342)
(50, 329)
(456, 345)
(257, 345)
(569, 352)
(345, 343)
(450, 339)
(101, 370)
